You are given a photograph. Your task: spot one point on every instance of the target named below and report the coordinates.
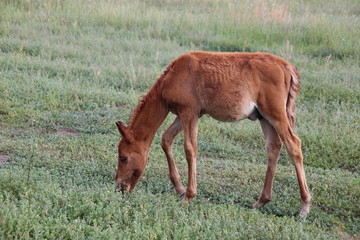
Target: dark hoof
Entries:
(182, 196)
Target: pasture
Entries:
(70, 69)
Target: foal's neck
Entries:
(148, 119)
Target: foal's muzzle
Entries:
(121, 187)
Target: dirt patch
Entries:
(3, 158)
(120, 105)
(66, 131)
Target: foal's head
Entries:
(131, 160)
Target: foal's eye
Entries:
(123, 159)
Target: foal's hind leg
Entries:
(273, 145)
(167, 141)
(293, 147)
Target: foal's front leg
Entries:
(190, 126)
(167, 141)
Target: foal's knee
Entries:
(190, 149)
(166, 142)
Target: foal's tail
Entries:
(294, 89)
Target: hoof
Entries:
(260, 203)
(184, 198)
(257, 205)
(303, 214)
(181, 191)
(305, 208)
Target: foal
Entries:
(229, 87)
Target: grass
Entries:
(70, 69)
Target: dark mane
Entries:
(153, 92)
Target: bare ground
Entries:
(66, 131)
(3, 158)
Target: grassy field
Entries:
(70, 69)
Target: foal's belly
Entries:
(230, 112)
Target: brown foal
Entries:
(229, 87)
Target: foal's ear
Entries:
(122, 127)
(124, 131)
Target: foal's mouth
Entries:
(122, 187)
(129, 185)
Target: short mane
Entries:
(154, 91)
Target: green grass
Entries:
(70, 69)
